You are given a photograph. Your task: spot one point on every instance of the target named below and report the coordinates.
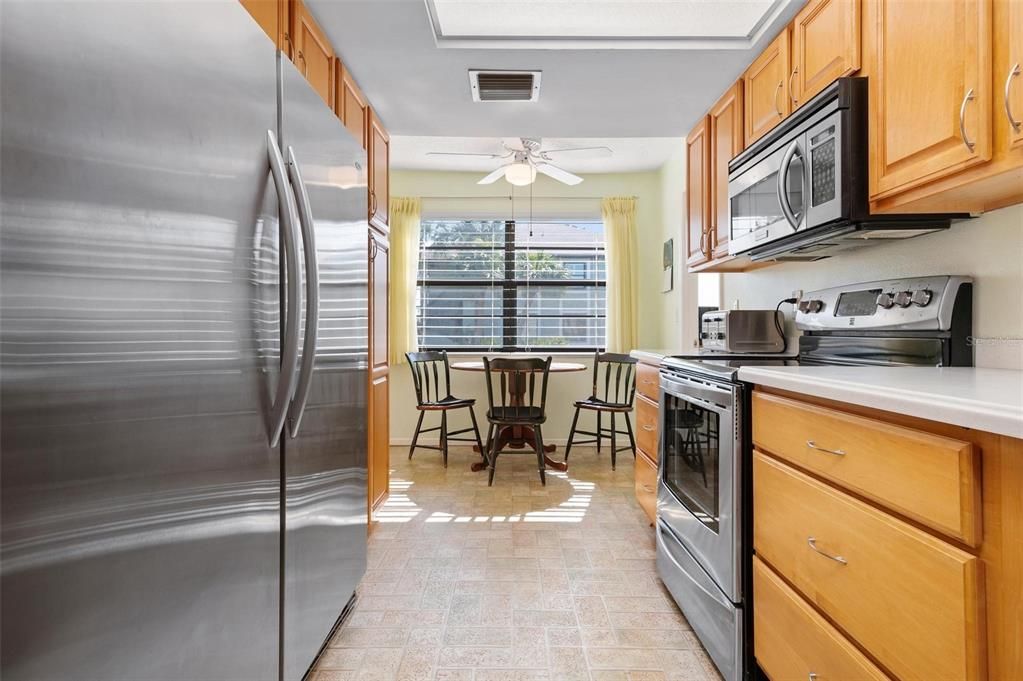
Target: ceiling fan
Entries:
(525, 162)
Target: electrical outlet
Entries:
(735, 304)
(798, 295)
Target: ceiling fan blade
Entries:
(579, 152)
(494, 176)
(460, 153)
(558, 174)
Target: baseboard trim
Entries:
(406, 441)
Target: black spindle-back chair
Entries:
(614, 392)
(431, 377)
(517, 403)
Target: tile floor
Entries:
(516, 582)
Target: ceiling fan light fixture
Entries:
(520, 174)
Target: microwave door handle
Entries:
(783, 184)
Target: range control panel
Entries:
(915, 304)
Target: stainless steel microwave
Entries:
(800, 192)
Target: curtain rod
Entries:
(526, 196)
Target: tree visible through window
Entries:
(507, 285)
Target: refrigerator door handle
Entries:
(312, 300)
(289, 349)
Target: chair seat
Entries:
(449, 402)
(516, 415)
(597, 404)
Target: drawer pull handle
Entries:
(813, 676)
(649, 428)
(648, 488)
(812, 542)
(647, 381)
(813, 445)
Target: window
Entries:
(507, 285)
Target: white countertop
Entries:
(990, 400)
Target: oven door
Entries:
(698, 488)
(766, 203)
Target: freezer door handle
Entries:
(289, 348)
(312, 298)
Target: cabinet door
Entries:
(379, 464)
(379, 370)
(825, 46)
(725, 143)
(379, 178)
(314, 55)
(765, 89)
(350, 105)
(1008, 69)
(271, 15)
(697, 193)
(930, 92)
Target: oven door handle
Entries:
(678, 390)
(783, 184)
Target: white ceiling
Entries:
(631, 154)
(419, 88)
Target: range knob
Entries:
(815, 306)
(922, 297)
(903, 298)
(886, 300)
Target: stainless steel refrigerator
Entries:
(183, 348)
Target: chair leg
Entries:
(492, 456)
(538, 443)
(444, 436)
(632, 438)
(614, 442)
(476, 430)
(571, 433)
(415, 437)
(599, 430)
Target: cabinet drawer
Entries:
(792, 641)
(910, 599)
(646, 485)
(647, 428)
(648, 381)
(932, 479)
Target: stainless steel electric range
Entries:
(704, 527)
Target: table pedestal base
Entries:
(520, 437)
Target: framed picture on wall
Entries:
(669, 265)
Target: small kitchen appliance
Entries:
(742, 331)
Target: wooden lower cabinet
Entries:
(647, 426)
(794, 642)
(378, 453)
(911, 599)
(915, 602)
(379, 460)
(646, 485)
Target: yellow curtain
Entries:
(619, 215)
(404, 261)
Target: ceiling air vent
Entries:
(504, 86)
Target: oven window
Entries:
(691, 457)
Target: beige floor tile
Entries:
(515, 582)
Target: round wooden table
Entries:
(520, 437)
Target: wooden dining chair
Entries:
(434, 394)
(516, 404)
(616, 374)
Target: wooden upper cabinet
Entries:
(765, 89)
(1008, 70)
(379, 177)
(272, 16)
(314, 55)
(825, 46)
(930, 91)
(698, 193)
(350, 104)
(726, 142)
